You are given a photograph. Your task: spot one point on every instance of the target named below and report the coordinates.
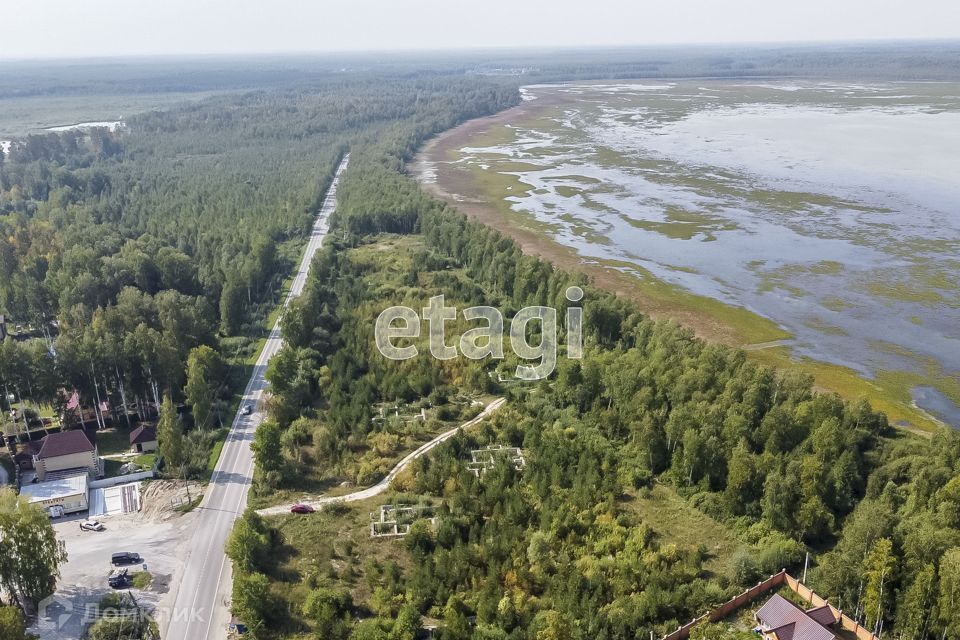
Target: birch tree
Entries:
(32, 555)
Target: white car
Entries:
(91, 525)
(247, 409)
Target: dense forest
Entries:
(555, 551)
(122, 253)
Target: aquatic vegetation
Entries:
(769, 201)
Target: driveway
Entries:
(83, 581)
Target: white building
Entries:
(59, 497)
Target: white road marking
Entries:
(198, 611)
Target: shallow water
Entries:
(832, 209)
(112, 125)
(936, 403)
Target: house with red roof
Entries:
(780, 619)
(66, 453)
(143, 439)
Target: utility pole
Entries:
(183, 474)
(806, 563)
(141, 619)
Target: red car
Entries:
(302, 508)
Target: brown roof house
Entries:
(67, 451)
(780, 619)
(143, 439)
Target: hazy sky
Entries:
(56, 28)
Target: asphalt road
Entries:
(200, 609)
(384, 484)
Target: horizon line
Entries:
(477, 49)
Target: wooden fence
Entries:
(731, 605)
(846, 622)
(751, 594)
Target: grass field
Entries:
(331, 547)
(675, 521)
(113, 441)
(142, 580)
(23, 116)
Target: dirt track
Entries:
(384, 484)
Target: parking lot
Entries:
(156, 535)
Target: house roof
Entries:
(65, 443)
(824, 615)
(143, 434)
(786, 631)
(789, 622)
(61, 488)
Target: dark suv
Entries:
(119, 559)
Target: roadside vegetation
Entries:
(122, 618)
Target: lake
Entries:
(831, 209)
(112, 125)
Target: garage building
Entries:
(59, 497)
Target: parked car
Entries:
(119, 579)
(91, 525)
(301, 508)
(126, 557)
(247, 409)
